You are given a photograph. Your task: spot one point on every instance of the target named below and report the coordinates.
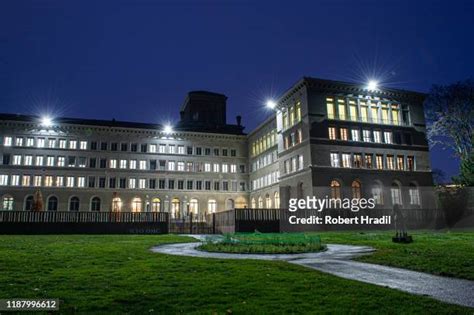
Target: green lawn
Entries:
(118, 274)
(444, 253)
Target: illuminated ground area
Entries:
(120, 274)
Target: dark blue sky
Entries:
(136, 60)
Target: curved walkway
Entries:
(336, 260)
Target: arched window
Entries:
(211, 206)
(377, 193)
(194, 206)
(74, 204)
(414, 194)
(335, 189)
(277, 200)
(52, 203)
(240, 203)
(95, 204)
(29, 203)
(175, 208)
(396, 193)
(156, 205)
(116, 204)
(356, 191)
(260, 202)
(7, 202)
(268, 201)
(229, 204)
(137, 204)
(253, 203)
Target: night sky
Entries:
(136, 60)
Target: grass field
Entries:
(118, 274)
(444, 253)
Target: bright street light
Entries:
(46, 121)
(168, 129)
(372, 85)
(271, 104)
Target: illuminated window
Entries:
(268, 201)
(390, 162)
(379, 161)
(7, 141)
(356, 190)
(15, 180)
(48, 181)
(39, 160)
(28, 160)
(175, 208)
(387, 137)
(341, 107)
(51, 143)
(335, 160)
(212, 206)
(374, 113)
(72, 144)
(70, 181)
(116, 204)
(332, 133)
(113, 163)
(133, 164)
(253, 203)
(7, 203)
(194, 206)
(377, 137)
(353, 110)
(142, 183)
(277, 200)
(298, 111)
(400, 163)
(346, 160)
(3, 180)
(385, 119)
(59, 181)
(37, 180)
(136, 204)
(355, 134)
(25, 180)
(30, 142)
(344, 134)
(40, 143)
(123, 164)
(335, 189)
(364, 111)
(368, 160)
(19, 141)
(366, 136)
(83, 145)
(357, 160)
(395, 114)
(330, 108)
(156, 205)
(61, 161)
(260, 202)
(142, 164)
(152, 148)
(17, 160)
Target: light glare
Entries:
(372, 85)
(46, 121)
(168, 129)
(271, 104)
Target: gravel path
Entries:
(336, 260)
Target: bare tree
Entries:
(450, 116)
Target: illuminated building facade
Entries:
(326, 138)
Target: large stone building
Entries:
(325, 137)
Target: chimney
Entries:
(239, 120)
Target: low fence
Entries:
(68, 222)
